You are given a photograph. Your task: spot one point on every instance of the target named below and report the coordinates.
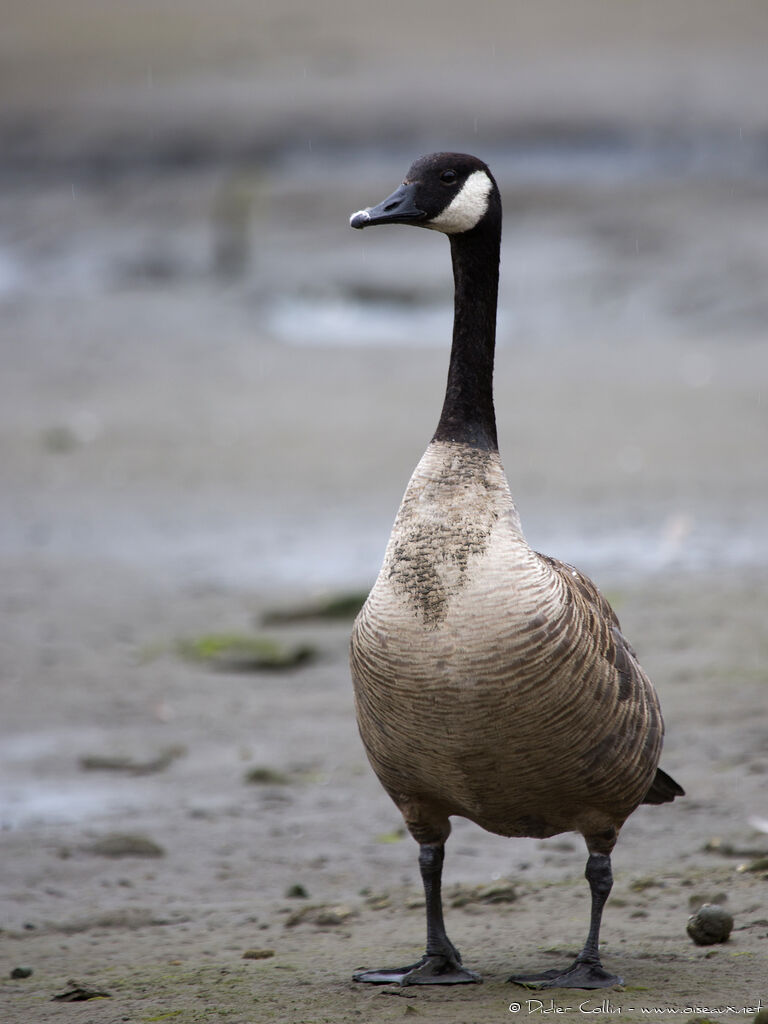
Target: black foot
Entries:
(430, 970)
(579, 975)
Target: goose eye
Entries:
(448, 177)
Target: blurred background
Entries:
(213, 392)
(205, 369)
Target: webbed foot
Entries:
(433, 969)
(580, 974)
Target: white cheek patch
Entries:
(468, 207)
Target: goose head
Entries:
(449, 192)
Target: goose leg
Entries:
(441, 963)
(586, 971)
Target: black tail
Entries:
(663, 789)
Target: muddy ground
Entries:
(211, 397)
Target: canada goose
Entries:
(491, 682)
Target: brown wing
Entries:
(618, 653)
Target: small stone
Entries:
(500, 892)
(21, 972)
(728, 849)
(710, 924)
(759, 864)
(125, 844)
(59, 440)
(642, 884)
(320, 915)
(265, 776)
(377, 900)
(258, 954)
(79, 993)
(131, 765)
(333, 915)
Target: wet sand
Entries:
(185, 444)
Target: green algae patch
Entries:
(334, 608)
(236, 652)
(258, 954)
(265, 776)
(395, 836)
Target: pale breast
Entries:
(456, 503)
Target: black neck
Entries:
(468, 414)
